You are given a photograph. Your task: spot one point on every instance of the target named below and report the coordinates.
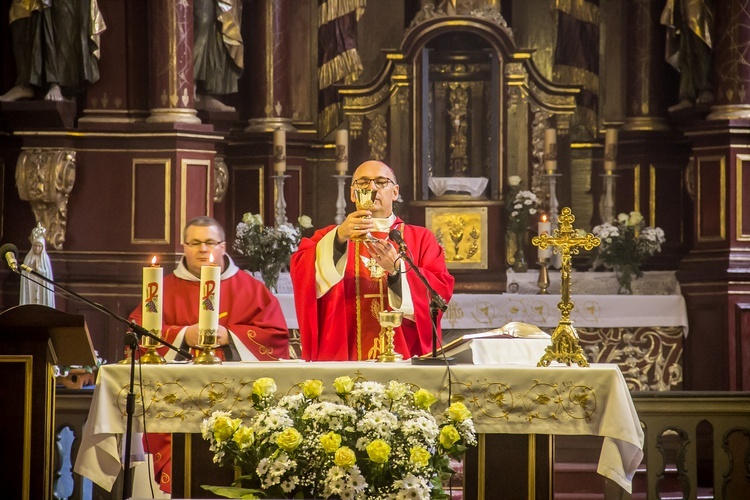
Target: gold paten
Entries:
(565, 347)
(208, 341)
(389, 320)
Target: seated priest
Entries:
(341, 283)
(251, 324)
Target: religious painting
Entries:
(462, 232)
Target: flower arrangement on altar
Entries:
(268, 248)
(521, 208)
(625, 246)
(374, 442)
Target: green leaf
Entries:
(231, 492)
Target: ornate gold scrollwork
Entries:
(221, 179)
(45, 178)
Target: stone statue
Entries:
(690, 25)
(217, 51)
(55, 45)
(34, 290)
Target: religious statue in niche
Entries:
(34, 290)
(459, 99)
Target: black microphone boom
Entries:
(9, 251)
(395, 236)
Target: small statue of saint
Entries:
(34, 290)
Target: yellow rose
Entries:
(396, 390)
(343, 385)
(345, 457)
(289, 439)
(312, 388)
(244, 437)
(419, 456)
(378, 451)
(635, 218)
(224, 428)
(264, 387)
(305, 222)
(458, 412)
(330, 441)
(449, 436)
(424, 399)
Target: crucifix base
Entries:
(564, 348)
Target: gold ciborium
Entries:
(208, 341)
(389, 320)
(151, 357)
(364, 199)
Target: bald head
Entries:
(381, 174)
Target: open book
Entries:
(489, 347)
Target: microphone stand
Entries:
(132, 339)
(437, 304)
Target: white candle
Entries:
(550, 150)
(544, 227)
(279, 151)
(342, 151)
(151, 306)
(610, 150)
(208, 315)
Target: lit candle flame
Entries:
(211, 258)
(153, 261)
(544, 217)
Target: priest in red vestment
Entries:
(251, 324)
(341, 284)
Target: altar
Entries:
(521, 400)
(642, 333)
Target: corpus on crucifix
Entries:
(566, 241)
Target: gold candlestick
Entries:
(151, 356)
(543, 281)
(565, 347)
(207, 344)
(389, 320)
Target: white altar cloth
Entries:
(474, 311)
(503, 399)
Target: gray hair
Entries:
(204, 221)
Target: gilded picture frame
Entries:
(462, 232)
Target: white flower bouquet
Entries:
(625, 246)
(374, 442)
(268, 248)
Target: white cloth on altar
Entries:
(476, 311)
(503, 399)
(472, 185)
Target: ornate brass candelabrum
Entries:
(565, 347)
(389, 320)
(208, 341)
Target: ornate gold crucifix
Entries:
(565, 347)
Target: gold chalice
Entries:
(208, 341)
(389, 320)
(364, 199)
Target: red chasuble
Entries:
(342, 324)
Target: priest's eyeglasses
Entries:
(208, 243)
(380, 182)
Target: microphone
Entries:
(9, 251)
(395, 236)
